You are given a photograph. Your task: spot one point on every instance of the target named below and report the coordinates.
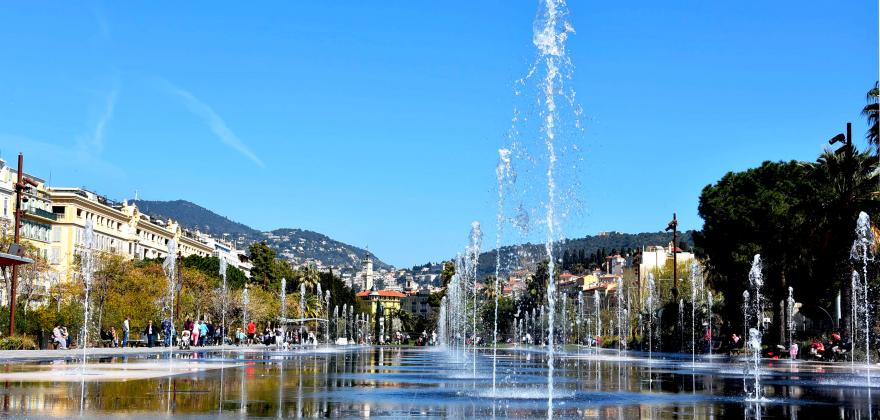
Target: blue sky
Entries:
(378, 123)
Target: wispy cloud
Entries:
(100, 19)
(214, 121)
(94, 140)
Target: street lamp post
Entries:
(21, 185)
(673, 226)
(846, 149)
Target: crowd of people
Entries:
(192, 333)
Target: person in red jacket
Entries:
(251, 331)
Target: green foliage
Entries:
(799, 216)
(268, 270)
(506, 317)
(340, 294)
(871, 111)
(448, 272)
(18, 342)
(446, 276)
(536, 288)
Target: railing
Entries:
(41, 213)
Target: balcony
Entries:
(43, 214)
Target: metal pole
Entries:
(19, 190)
(674, 257)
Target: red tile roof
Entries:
(383, 293)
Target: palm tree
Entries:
(310, 276)
(853, 188)
(312, 309)
(872, 112)
(854, 181)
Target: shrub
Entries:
(18, 342)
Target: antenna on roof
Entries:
(135, 195)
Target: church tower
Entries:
(367, 265)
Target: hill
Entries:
(589, 244)
(296, 245)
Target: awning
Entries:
(8, 260)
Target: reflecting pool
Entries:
(422, 382)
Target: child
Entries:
(185, 337)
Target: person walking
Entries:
(150, 332)
(126, 328)
(251, 332)
(203, 333)
(166, 331)
(195, 334)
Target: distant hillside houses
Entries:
(628, 269)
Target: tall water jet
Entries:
(87, 269)
(597, 302)
(790, 320)
(224, 299)
(283, 311)
(442, 325)
(709, 302)
(580, 316)
(650, 304)
(502, 172)
(302, 309)
(245, 301)
(170, 267)
(862, 251)
(621, 334)
(681, 317)
(551, 31)
(695, 272)
(473, 259)
(756, 280)
(327, 315)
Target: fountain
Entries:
(224, 299)
(580, 316)
(862, 251)
(756, 280)
(649, 302)
(790, 321)
(245, 301)
(621, 331)
(170, 267)
(681, 317)
(502, 172)
(87, 268)
(597, 302)
(327, 314)
(280, 341)
(473, 259)
(442, 325)
(302, 310)
(709, 302)
(695, 271)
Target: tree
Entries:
(309, 276)
(765, 210)
(111, 268)
(264, 270)
(340, 293)
(536, 288)
(31, 277)
(799, 216)
(871, 111)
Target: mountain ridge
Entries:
(296, 245)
